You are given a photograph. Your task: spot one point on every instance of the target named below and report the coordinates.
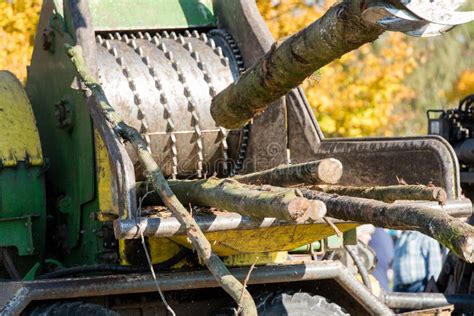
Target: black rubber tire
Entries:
(72, 309)
(297, 304)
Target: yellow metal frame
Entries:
(20, 139)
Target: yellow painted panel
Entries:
(263, 258)
(20, 139)
(270, 239)
(160, 249)
(107, 204)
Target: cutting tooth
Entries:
(118, 36)
(125, 38)
(188, 47)
(166, 34)
(140, 35)
(174, 36)
(195, 34)
(133, 44)
(156, 40)
(99, 39)
(212, 44)
(219, 53)
(115, 54)
(147, 36)
(107, 46)
(169, 55)
(133, 36)
(225, 61)
(111, 36)
(181, 40)
(203, 36)
(187, 33)
(139, 51)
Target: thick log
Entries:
(340, 30)
(157, 181)
(388, 194)
(254, 201)
(314, 172)
(449, 231)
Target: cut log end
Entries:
(440, 195)
(303, 210)
(330, 170)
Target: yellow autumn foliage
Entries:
(18, 20)
(463, 86)
(357, 94)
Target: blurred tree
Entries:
(444, 75)
(18, 20)
(356, 95)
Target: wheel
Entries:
(297, 304)
(72, 309)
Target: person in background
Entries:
(382, 243)
(417, 258)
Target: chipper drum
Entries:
(162, 84)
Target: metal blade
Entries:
(392, 18)
(430, 30)
(438, 11)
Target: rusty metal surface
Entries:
(15, 296)
(428, 300)
(380, 161)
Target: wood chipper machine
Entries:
(87, 229)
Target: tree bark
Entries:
(450, 232)
(154, 176)
(254, 201)
(340, 30)
(388, 194)
(314, 172)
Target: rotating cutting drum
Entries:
(162, 85)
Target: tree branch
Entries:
(254, 201)
(389, 193)
(314, 172)
(449, 231)
(340, 30)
